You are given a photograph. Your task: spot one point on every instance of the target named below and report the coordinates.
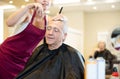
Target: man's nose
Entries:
(51, 31)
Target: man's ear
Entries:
(65, 35)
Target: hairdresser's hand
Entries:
(58, 17)
(37, 7)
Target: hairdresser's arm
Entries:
(16, 17)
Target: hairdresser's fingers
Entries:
(31, 5)
(39, 13)
(58, 16)
(39, 10)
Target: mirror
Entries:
(115, 38)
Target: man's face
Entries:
(54, 33)
(101, 46)
(45, 3)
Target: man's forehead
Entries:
(54, 22)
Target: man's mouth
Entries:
(50, 37)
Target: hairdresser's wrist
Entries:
(30, 6)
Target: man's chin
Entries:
(49, 43)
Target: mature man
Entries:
(55, 60)
(106, 54)
(103, 51)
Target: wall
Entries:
(98, 22)
(75, 23)
(1, 25)
(76, 31)
(7, 30)
(86, 25)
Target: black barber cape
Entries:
(62, 63)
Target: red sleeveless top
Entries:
(16, 50)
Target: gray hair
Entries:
(64, 20)
(65, 27)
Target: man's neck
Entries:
(54, 46)
(102, 50)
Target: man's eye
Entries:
(49, 28)
(56, 30)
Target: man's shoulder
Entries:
(107, 51)
(40, 46)
(74, 53)
(70, 48)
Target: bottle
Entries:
(91, 68)
(100, 68)
(115, 74)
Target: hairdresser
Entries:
(16, 49)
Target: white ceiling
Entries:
(83, 5)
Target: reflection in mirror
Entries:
(115, 38)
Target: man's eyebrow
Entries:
(57, 19)
(48, 26)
